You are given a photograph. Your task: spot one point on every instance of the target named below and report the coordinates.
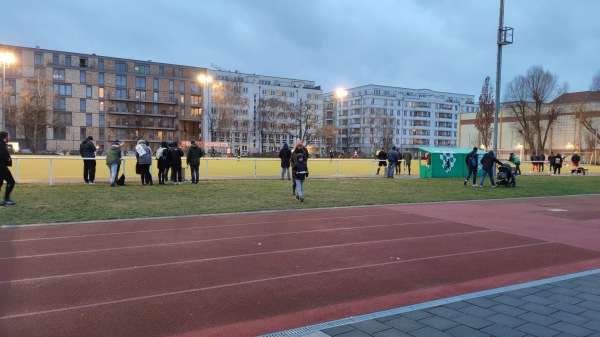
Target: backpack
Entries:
(121, 180)
(161, 154)
(473, 160)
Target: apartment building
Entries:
(115, 98)
(374, 116)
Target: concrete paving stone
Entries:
(573, 309)
(570, 318)
(438, 323)
(464, 331)
(538, 319)
(589, 297)
(417, 315)
(508, 310)
(566, 299)
(545, 286)
(571, 329)
(405, 324)
(338, 330)
(509, 300)
(476, 311)
(517, 293)
(590, 305)
(589, 290)
(538, 299)
(473, 321)
(429, 332)
(457, 305)
(445, 312)
(564, 334)
(569, 283)
(502, 330)
(545, 293)
(597, 334)
(538, 309)
(537, 330)
(388, 318)
(509, 321)
(391, 333)
(354, 333)
(483, 302)
(315, 334)
(371, 326)
(592, 325)
(565, 291)
(591, 314)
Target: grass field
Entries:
(68, 202)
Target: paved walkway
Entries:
(560, 306)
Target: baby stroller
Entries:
(506, 176)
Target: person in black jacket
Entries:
(285, 154)
(162, 162)
(5, 174)
(87, 150)
(382, 156)
(300, 170)
(194, 154)
(487, 166)
(472, 162)
(175, 154)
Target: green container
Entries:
(445, 162)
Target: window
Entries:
(101, 64)
(62, 118)
(101, 79)
(141, 69)
(101, 120)
(182, 99)
(62, 89)
(194, 88)
(121, 81)
(88, 91)
(82, 105)
(101, 135)
(59, 103)
(60, 132)
(82, 132)
(55, 59)
(121, 93)
(100, 92)
(58, 74)
(68, 61)
(121, 107)
(155, 96)
(83, 62)
(121, 66)
(161, 71)
(88, 119)
(140, 95)
(171, 85)
(140, 82)
(82, 77)
(196, 100)
(181, 86)
(180, 72)
(101, 106)
(38, 59)
(155, 84)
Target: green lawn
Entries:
(41, 203)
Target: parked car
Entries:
(26, 151)
(59, 152)
(130, 154)
(74, 153)
(44, 152)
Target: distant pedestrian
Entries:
(87, 151)
(285, 154)
(194, 154)
(515, 160)
(175, 154)
(407, 157)
(330, 155)
(542, 160)
(5, 174)
(113, 161)
(575, 159)
(299, 149)
(382, 156)
(558, 163)
(144, 160)
(162, 162)
(392, 158)
(534, 162)
(487, 166)
(472, 162)
(551, 161)
(300, 171)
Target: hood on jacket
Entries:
(285, 146)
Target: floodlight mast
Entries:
(505, 37)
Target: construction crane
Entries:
(217, 67)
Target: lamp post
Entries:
(505, 37)
(339, 94)
(6, 58)
(204, 80)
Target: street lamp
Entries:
(339, 94)
(204, 80)
(6, 58)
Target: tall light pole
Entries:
(204, 80)
(339, 94)
(505, 35)
(6, 58)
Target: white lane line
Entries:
(188, 291)
(215, 240)
(198, 227)
(237, 256)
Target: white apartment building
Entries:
(374, 116)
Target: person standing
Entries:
(113, 160)
(551, 160)
(162, 162)
(515, 160)
(285, 154)
(382, 156)
(534, 162)
(575, 159)
(144, 157)
(175, 154)
(299, 149)
(87, 151)
(407, 157)
(330, 155)
(300, 171)
(472, 162)
(393, 158)
(558, 162)
(487, 166)
(5, 174)
(194, 154)
(542, 159)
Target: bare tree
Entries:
(595, 86)
(485, 116)
(328, 133)
(528, 98)
(229, 110)
(303, 117)
(272, 114)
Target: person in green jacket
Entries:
(113, 160)
(193, 156)
(515, 160)
(407, 156)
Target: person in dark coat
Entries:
(300, 170)
(542, 159)
(551, 161)
(382, 156)
(575, 159)
(194, 154)
(162, 162)
(5, 174)
(392, 158)
(473, 167)
(285, 154)
(299, 149)
(558, 162)
(175, 154)
(487, 166)
(87, 151)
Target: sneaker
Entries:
(297, 198)
(112, 184)
(92, 183)
(1, 203)
(9, 202)
(302, 199)
(494, 186)
(474, 185)
(480, 185)
(465, 183)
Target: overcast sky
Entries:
(443, 45)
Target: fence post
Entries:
(254, 168)
(17, 169)
(337, 168)
(206, 165)
(50, 171)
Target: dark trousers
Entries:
(176, 173)
(6, 175)
(89, 170)
(472, 171)
(195, 169)
(145, 174)
(163, 175)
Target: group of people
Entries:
(296, 160)
(390, 161)
(555, 161)
(487, 167)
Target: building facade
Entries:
(374, 116)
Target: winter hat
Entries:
(90, 138)
(116, 142)
(475, 148)
(299, 143)
(193, 142)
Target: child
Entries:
(300, 172)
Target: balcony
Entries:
(133, 98)
(143, 125)
(191, 118)
(162, 113)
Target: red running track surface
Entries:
(251, 274)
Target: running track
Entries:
(255, 273)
